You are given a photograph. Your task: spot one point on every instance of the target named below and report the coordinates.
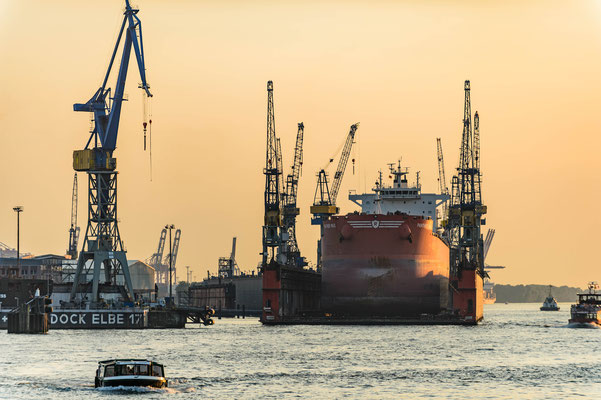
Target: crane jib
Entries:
(107, 115)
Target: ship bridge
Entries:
(400, 197)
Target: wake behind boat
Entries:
(130, 372)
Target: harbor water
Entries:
(517, 352)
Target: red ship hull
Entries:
(383, 265)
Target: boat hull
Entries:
(383, 265)
(133, 380)
(584, 323)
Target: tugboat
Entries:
(550, 304)
(588, 310)
(130, 372)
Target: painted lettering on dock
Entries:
(67, 319)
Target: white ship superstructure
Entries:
(400, 198)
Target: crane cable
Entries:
(147, 124)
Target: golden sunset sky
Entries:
(397, 67)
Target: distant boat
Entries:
(130, 372)
(489, 295)
(588, 310)
(550, 304)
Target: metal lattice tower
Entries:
(346, 152)
(290, 211)
(102, 243)
(442, 180)
(273, 179)
(74, 229)
(156, 261)
(466, 211)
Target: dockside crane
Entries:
(273, 179)
(156, 261)
(465, 220)
(442, 181)
(172, 256)
(102, 245)
(74, 229)
(324, 201)
(290, 211)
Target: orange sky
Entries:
(397, 67)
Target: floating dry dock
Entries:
(324, 320)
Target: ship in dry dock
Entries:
(388, 259)
(390, 263)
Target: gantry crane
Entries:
(228, 267)
(465, 219)
(171, 258)
(290, 248)
(324, 201)
(102, 244)
(74, 229)
(273, 179)
(442, 182)
(156, 261)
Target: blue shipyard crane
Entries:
(103, 247)
(324, 201)
(290, 210)
(273, 186)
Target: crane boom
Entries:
(290, 211)
(107, 108)
(346, 152)
(292, 178)
(74, 229)
(442, 180)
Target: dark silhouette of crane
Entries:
(324, 201)
(74, 229)
(442, 182)
(290, 211)
(465, 219)
(273, 182)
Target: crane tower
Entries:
(290, 249)
(442, 181)
(74, 229)
(273, 179)
(465, 219)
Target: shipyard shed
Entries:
(142, 277)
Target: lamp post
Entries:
(170, 227)
(18, 210)
(188, 274)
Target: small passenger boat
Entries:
(550, 304)
(588, 310)
(130, 372)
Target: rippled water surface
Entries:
(518, 352)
